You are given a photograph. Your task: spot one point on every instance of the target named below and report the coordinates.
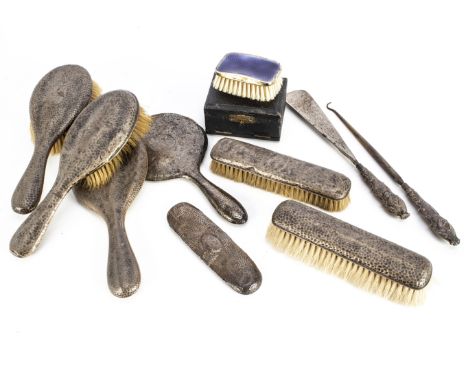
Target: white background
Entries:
(397, 71)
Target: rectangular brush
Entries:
(362, 258)
(281, 174)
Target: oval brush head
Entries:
(57, 147)
(56, 101)
(64, 90)
(363, 259)
(102, 175)
(96, 137)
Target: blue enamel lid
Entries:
(258, 68)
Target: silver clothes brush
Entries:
(437, 224)
(304, 105)
(360, 257)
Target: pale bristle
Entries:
(102, 175)
(57, 147)
(95, 91)
(286, 190)
(330, 262)
(31, 132)
(263, 93)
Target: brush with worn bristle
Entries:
(436, 223)
(284, 175)
(364, 259)
(56, 101)
(94, 148)
(248, 76)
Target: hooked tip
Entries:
(329, 108)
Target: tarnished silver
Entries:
(215, 248)
(56, 101)
(354, 244)
(111, 202)
(95, 137)
(437, 224)
(176, 146)
(304, 105)
(281, 168)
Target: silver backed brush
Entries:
(56, 101)
(437, 224)
(304, 105)
(111, 202)
(362, 258)
(93, 150)
(282, 174)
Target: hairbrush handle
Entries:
(123, 272)
(28, 236)
(392, 203)
(228, 207)
(437, 224)
(29, 189)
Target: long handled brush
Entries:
(363, 259)
(437, 224)
(94, 148)
(56, 101)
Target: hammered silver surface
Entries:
(281, 168)
(302, 103)
(354, 244)
(111, 202)
(94, 138)
(305, 106)
(56, 101)
(176, 146)
(437, 224)
(215, 248)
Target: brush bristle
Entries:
(263, 93)
(102, 175)
(283, 189)
(330, 262)
(95, 91)
(57, 147)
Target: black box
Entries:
(242, 117)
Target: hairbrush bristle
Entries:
(257, 92)
(102, 175)
(286, 190)
(95, 91)
(330, 262)
(57, 147)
